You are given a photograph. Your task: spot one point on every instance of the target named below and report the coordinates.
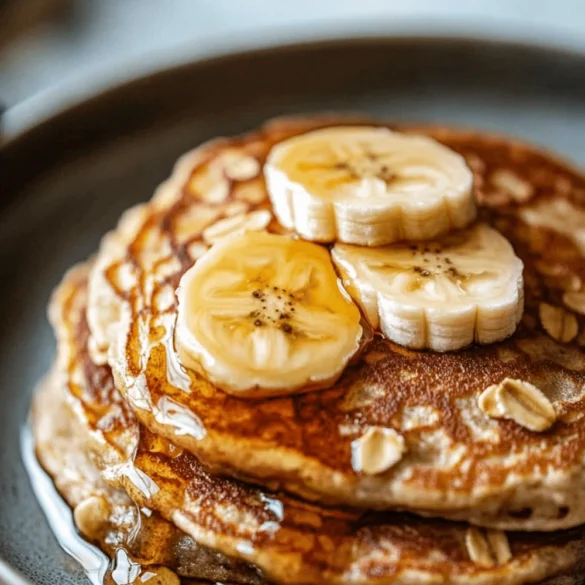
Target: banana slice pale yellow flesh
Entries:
(441, 295)
(263, 314)
(368, 185)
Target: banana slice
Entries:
(438, 295)
(368, 186)
(263, 314)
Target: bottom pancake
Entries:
(140, 542)
(290, 541)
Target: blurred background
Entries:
(64, 184)
(83, 45)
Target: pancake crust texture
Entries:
(458, 463)
(288, 540)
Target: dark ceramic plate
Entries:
(65, 181)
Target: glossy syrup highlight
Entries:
(100, 570)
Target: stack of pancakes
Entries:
(185, 482)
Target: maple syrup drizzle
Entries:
(98, 567)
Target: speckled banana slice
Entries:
(441, 295)
(369, 186)
(263, 314)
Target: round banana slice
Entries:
(263, 314)
(440, 295)
(368, 186)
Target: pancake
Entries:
(459, 463)
(288, 540)
(138, 541)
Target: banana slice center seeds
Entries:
(369, 166)
(274, 307)
(431, 266)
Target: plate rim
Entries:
(10, 576)
(66, 97)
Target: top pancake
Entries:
(459, 463)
